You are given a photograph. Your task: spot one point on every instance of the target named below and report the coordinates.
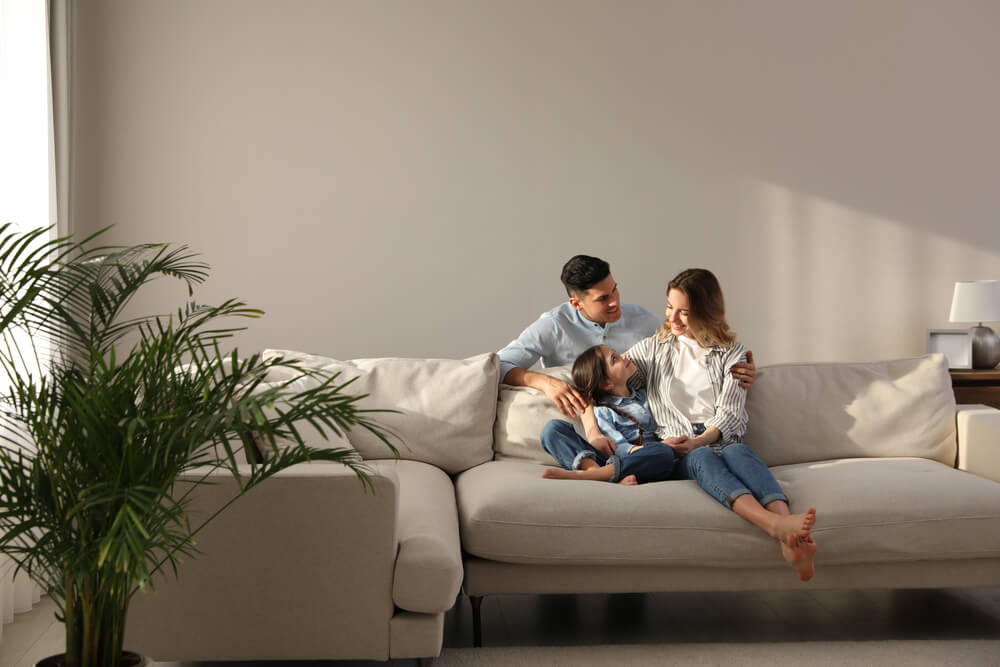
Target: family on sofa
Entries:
(658, 401)
(907, 484)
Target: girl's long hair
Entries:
(589, 376)
(707, 308)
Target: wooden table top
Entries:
(978, 375)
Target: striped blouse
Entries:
(654, 359)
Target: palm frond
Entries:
(130, 407)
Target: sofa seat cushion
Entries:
(896, 509)
(869, 510)
(428, 572)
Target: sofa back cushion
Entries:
(446, 407)
(294, 382)
(521, 414)
(819, 411)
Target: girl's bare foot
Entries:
(559, 473)
(801, 555)
(788, 529)
(597, 474)
(630, 480)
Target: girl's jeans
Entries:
(653, 462)
(729, 472)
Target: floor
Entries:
(652, 618)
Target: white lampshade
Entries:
(976, 301)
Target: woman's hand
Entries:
(681, 444)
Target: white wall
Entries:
(390, 178)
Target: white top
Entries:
(691, 391)
(654, 370)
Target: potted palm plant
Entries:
(109, 422)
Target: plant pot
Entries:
(129, 659)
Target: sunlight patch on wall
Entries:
(837, 283)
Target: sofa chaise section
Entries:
(309, 566)
(275, 578)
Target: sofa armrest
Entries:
(305, 552)
(979, 440)
(429, 570)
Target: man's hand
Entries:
(681, 445)
(745, 372)
(564, 395)
(603, 444)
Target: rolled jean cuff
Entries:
(771, 497)
(736, 494)
(578, 459)
(616, 461)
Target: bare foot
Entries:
(629, 481)
(598, 474)
(788, 529)
(559, 473)
(801, 556)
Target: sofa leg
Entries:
(425, 662)
(477, 620)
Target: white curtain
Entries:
(34, 161)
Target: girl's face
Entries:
(617, 368)
(677, 312)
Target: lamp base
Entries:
(985, 347)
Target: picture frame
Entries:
(955, 344)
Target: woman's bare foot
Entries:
(793, 527)
(630, 480)
(801, 555)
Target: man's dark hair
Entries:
(582, 272)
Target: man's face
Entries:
(600, 303)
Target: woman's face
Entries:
(618, 368)
(677, 312)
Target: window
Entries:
(26, 156)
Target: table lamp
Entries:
(979, 301)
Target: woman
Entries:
(701, 413)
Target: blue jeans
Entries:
(729, 473)
(653, 462)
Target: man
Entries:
(593, 315)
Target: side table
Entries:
(976, 386)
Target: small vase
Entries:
(129, 659)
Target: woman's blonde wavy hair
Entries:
(707, 311)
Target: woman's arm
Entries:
(683, 445)
(641, 354)
(730, 417)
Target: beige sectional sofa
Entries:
(309, 566)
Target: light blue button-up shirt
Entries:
(559, 336)
(622, 430)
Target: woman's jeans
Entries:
(653, 462)
(730, 472)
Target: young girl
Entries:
(601, 375)
(700, 410)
